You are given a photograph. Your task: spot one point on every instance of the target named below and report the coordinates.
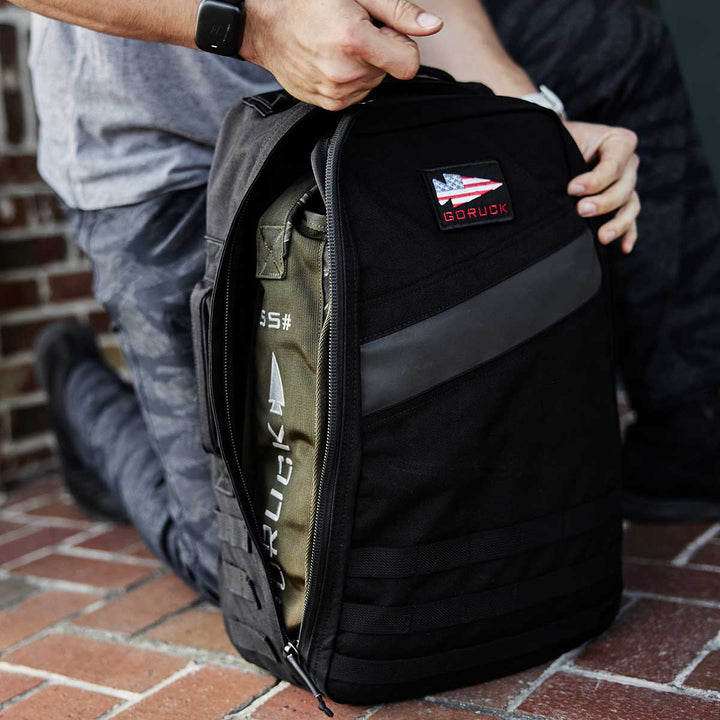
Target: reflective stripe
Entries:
(408, 362)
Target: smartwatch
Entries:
(548, 99)
(220, 26)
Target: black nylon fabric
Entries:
(520, 453)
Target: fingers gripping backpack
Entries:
(407, 388)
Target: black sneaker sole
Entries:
(648, 509)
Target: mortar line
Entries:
(22, 696)
(68, 681)
(645, 684)
(260, 700)
(673, 598)
(105, 556)
(685, 673)
(691, 548)
(189, 669)
(191, 654)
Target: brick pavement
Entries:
(91, 626)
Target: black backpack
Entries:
(465, 517)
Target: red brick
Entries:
(117, 540)
(566, 697)
(45, 537)
(143, 552)
(14, 114)
(32, 252)
(54, 702)
(10, 465)
(209, 693)
(98, 573)
(707, 674)
(29, 420)
(22, 336)
(38, 612)
(141, 607)
(293, 703)
(496, 693)
(660, 541)
(48, 208)
(71, 286)
(62, 508)
(28, 490)
(12, 96)
(12, 685)
(17, 380)
(203, 629)
(653, 640)
(707, 555)
(16, 294)
(116, 666)
(99, 322)
(8, 527)
(18, 169)
(12, 212)
(419, 710)
(672, 581)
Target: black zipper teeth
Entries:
(309, 609)
(226, 369)
(226, 385)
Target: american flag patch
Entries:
(460, 189)
(472, 194)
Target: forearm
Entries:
(469, 48)
(168, 21)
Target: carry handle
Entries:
(276, 101)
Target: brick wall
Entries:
(43, 276)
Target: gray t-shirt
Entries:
(123, 120)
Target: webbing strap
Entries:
(249, 639)
(389, 562)
(232, 530)
(239, 583)
(398, 620)
(387, 672)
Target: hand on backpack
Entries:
(610, 186)
(330, 53)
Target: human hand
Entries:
(329, 53)
(610, 185)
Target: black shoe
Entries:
(672, 462)
(59, 349)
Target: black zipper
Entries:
(292, 655)
(224, 263)
(323, 507)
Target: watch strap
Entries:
(548, 99)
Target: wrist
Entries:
(512, 81)
(256, 18)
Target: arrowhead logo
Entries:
(469, 194)
(276, 397)
(460, 189)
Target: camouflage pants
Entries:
(146, 259)
(611, 63)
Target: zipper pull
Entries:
(293, 657)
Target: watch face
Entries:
(219, 27)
